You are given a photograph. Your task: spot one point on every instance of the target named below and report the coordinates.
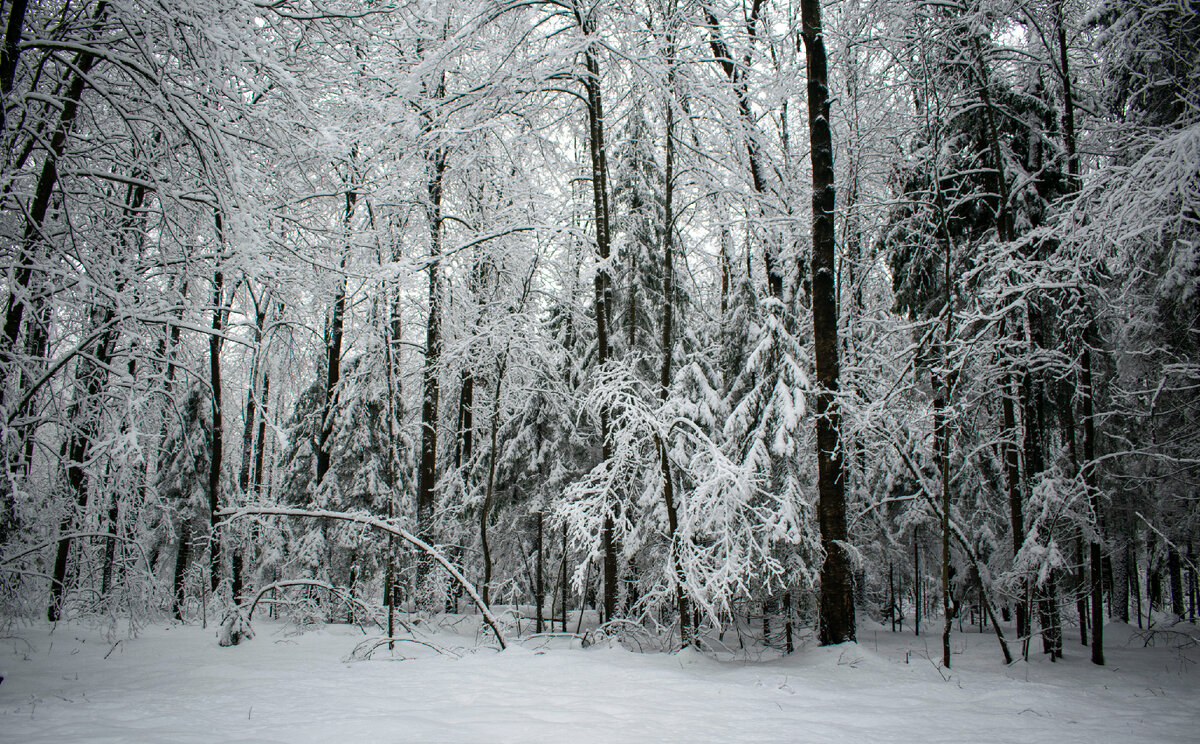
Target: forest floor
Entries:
(173, 683)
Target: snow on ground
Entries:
(175, 684)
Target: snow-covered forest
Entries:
(642, 321)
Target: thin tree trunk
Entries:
(563, 580)
(539, 585)
(260, 440)
(916, 584)
(253, 395)
(1086, 392)
(214, 472)
(181, 561)
(667, 339)
(1175, 576)
(1089, 477)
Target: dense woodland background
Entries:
(544, 284)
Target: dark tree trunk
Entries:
(214, 472)
(254, 393)
(837, 623)
(333, 342)
(427, 469)
(1175, 576)
(539, 590)
(260, 441)
(1012, 467)
(1086, 392)
(181, 561)
(10, 50)
(916, 583)
(667, 343)
(603, 281)
(563, 580)
(466, 431)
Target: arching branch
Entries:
(383, 526)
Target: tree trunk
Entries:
(837, 622)
(539, 591)
(1175, 576)
(916, 584)
(214, 472)
(181, 561)
(427, 469)
(667, 342)
(603, 281)
(1119, 603)
(253, 395)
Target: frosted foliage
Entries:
(729, 522)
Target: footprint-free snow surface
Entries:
(174, 683)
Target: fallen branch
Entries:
(382, 526)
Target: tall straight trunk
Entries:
(602, 285)
(942, 435)
(1089, 477)
(181, 561)
(490, 492)
(253, 395)
(214, 471)
(427, 469)
(1119, 601)
(333, 342)
(539, 589)
(892, 595)
(1089, 424)
(1012, 469)
(1175, 579)
(837, 622)
(260, 439)
(1012, 381)
(916, 583)
(466, 415)
(392, 348)
(667, 338)
(1081, 603)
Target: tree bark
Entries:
(181, 561)
(602, 285)
(837, 622)
(214, 472)
(436, 162)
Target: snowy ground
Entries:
(174, 684)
